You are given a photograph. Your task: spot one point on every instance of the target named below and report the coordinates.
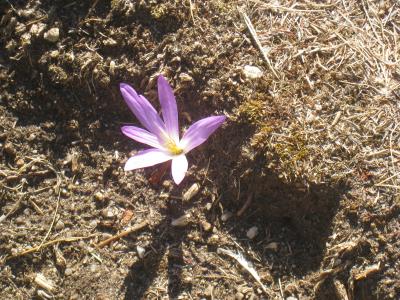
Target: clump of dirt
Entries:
(308, 161)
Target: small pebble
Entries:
(206, 226)
(191, 192)
(291, 298)
(60, 225)
(68, 272)
(64, 193)
(181, 221)
(44, 283)
(209, 206)
(52, 35)
(226, 216)
(20, 162)
(10, 150)
(98, 196)
(252, 72)
(252, 232)
(107, 213)
(272, 246)
(140, 251)
(37, 29)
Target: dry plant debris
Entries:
(310, 155)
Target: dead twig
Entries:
(37, 248)
(54, 219)
(254, 36)
(245, 205)
(123, 234)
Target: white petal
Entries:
(146, 158)
(142, 136)
(179, 168)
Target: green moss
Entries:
(294, 148)
(252, 111)
(159, 12)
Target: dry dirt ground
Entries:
(309, 156)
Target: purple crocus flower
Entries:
(163, 135)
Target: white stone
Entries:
(140, 251)
(252, 232)
(52, 35)
(252, 72)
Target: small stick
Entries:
(123, 234)
(60, 240)
(54, 218)
(36, 207)
(245, 205)
(253, 34)
(191, 11)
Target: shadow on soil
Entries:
(298, 219)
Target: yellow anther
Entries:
(173, 148)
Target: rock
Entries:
(181, 221)
(226, 216)
(52, 35)
(10, 150)
(272, 246)
(44, 283)
(252, 72)
(252, 232)
(191, 192)
(68, 272)
(37, 29)
(206, 226)
(140, 251)
(99, 196)
(59, 225)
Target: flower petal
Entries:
(146, 158)
(144, 111)
(169, 108)
(179, 168)
(141, 135)
(199, 132)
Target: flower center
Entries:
(173, 148)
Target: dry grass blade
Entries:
(246, 265)
(123, 234)
(254, 36)
(56, 241)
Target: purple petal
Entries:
(169, 108)
(199, 132)
(144, 111)
(179, 168)
(146, 158)
(141, 135)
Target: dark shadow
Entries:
(167, 249)
(297, 215)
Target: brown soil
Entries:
(310, 154)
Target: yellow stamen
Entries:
(173, 148)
